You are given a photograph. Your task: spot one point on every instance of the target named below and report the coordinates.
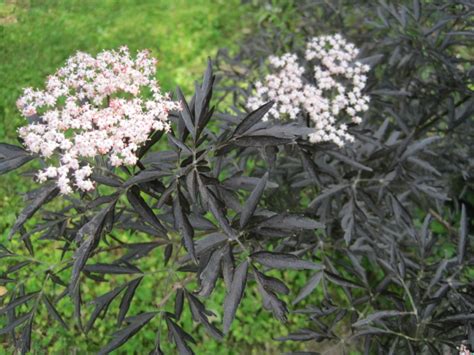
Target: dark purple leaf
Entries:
(53, 312)
(283, 261)
(210, 273)
(102, 304)
(141, 207)
(462, 235)
(378, 315)
(18, 321)
(127, 299)
(182, 224)
(18, 301)
(234, 294)
(101, 268)
(252, 118)
(251, 204)
(312, 283)
(126, 333)
(45, 194)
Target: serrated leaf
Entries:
(271, 301)
(12, 157)
(127, 299)
(200, 314)
(338, 280)
(228, 265)
(272, 284)
(252, 118)
(456, 318)
(246, 182)
(91, 231)
(25, 340)
(251, 204)
(462, 235)
(44, 195)
(291, 222)
(199, 100)
(94, 226)
(185, 113)
(372, 60)
(17, 302)
(208, 198)
(167, 254)
(326, 193)
(418, 145)
(182, 224)
(210, 273)
(142, 208)
(179, 144)
(166, 195)
(155, 137)
(378, 315)
(138, 251)
(424, 165)
(126, 333)
(312, 283)
(178, 303)
(349, 161)
(114, 269)
(12, 325)
(283, 261)
(234, 294)
(371, 331)
(102, 304)
(145, 176)
(17, 266)
(260, 141)
(180, 337)
(303, 335)
(53, 312)
(191, 185)
(206, 87)
(8, 151)
(206, 244)
(107, 180)
(77, 301)
(388, 92)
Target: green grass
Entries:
(36, 38)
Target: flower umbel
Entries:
(333, 92)
(105, 105)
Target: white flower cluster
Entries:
(337, 90)
(104, 105)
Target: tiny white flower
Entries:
(93, 121)
(335, 69)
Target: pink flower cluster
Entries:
(105, 105)
(336, 93)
